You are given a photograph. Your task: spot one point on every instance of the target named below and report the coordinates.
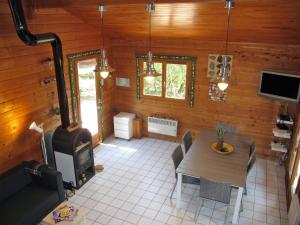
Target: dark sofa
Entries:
(25, 198)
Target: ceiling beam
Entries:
(68, 3)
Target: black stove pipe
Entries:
(40, 39)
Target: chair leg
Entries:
(242, 207)
(226, 214)
(173, 189)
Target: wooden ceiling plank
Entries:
(65, 3)
(264, 21)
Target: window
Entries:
(176, 83)
(176, 80)
(172, 83)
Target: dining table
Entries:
(202, 162)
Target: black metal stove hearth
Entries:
(73, 149)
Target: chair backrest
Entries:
(216, 191)
(252, 157)
(251, 162)
(252, 149)
(177, 157)
(226, 128)
(187, 140)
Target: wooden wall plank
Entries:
(22, 98)
(251, 114)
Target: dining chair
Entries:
(187, 141)
(226, 127)
(252, 150)
(216, 191)
(251, 161)
(177, 157)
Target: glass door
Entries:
(87, 90)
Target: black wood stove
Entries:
(73, 149)
(74, 155)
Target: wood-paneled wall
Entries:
(22, 98)
(251, 114)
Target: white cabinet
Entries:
(123, 125)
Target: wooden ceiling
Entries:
(254, 21)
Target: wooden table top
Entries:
(201, 161)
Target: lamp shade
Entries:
(223, 76)
(35, 127)
(150, 71)
(104, 69)
(223, 86)
(104, 74)
(223, 80)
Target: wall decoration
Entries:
(215, 94)
(215, 62)
(122, 82)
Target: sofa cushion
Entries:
(12, 181)
(23, 207)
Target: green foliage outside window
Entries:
(175, 78)
(153, 86)
(87, 85)
(176, 81)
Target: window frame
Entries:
(190, 61)
(72, 59)
(164, 79)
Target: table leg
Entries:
(237, 206)
(179, 182)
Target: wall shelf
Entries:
(281, 133)
(278, 147)
(284, 121)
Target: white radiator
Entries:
(162, 126)
(294, 211)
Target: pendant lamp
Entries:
(223, 75)
(150, 72)
(104, 68)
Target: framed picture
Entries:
(122, 82)
(215, 94)
(215, 63)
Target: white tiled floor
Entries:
(138, 176)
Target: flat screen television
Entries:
(279, 86)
